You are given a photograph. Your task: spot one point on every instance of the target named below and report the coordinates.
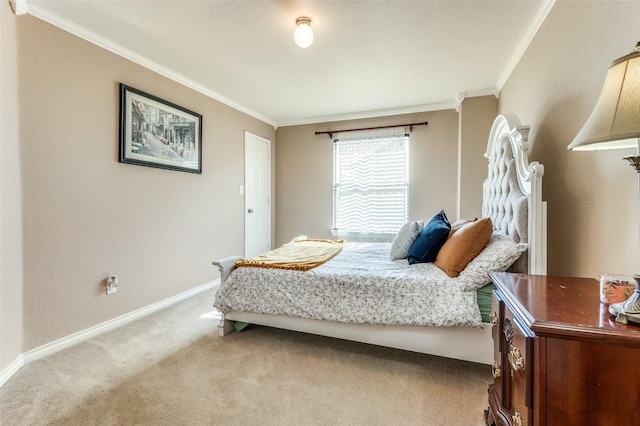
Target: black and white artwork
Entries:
(158, 133)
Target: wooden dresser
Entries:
(560, 357)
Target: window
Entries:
(370, 183)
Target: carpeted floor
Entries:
(171, 368)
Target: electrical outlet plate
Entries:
(112, 284)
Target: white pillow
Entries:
(404, 238)
(497, 256)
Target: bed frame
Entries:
(500, 202)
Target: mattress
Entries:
(360, 285)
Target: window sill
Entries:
(364, 237)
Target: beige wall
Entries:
(71, 214)
(85, 214)
(11, 251)
(305, 163)
(592, 196)
(476, 118)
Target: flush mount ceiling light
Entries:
(303, 35)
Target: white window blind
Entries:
(370, 181)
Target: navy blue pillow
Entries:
(433, 236)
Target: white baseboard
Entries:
(11, 369)
(75, 338)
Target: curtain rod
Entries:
(410, 125)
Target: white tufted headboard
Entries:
(512, 192)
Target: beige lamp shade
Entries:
(615, 120)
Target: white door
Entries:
(257, 203)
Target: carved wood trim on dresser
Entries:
(559, 356)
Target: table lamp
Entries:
(615, 124)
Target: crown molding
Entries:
(369, 114)
(19, 7)
(142, 61)
(535, 25)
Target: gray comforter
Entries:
(359, 285)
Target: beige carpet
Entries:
(171, 368)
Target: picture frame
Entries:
(158, 133)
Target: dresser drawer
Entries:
(518, 369)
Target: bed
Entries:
(362, 295)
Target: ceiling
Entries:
(369, 58)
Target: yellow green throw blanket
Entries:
(299, 255)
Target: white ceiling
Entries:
(369, 58)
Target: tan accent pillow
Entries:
(463, 245)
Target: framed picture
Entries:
(157, 133)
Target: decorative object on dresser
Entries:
(559, 356)
(376, 313)
(615, 124)
(615, 288)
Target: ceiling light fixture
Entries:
(303, 35)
